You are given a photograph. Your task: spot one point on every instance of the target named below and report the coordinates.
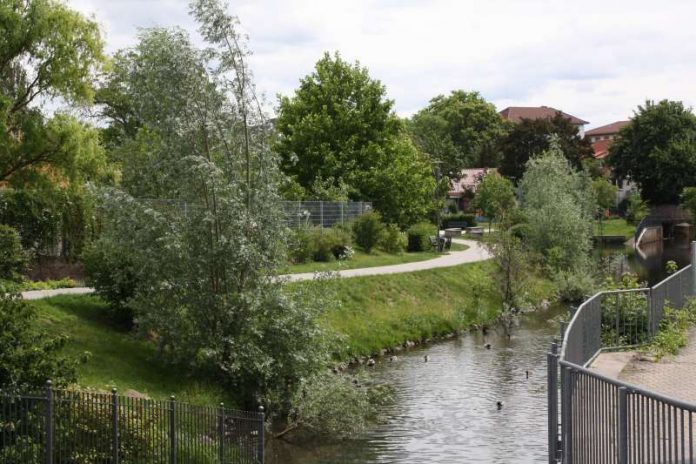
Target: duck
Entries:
(393, 359)
(487, 346)
(527, 372)
(499, 404)
(371, 362)
(426, 358)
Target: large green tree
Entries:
(531, 137)
(339, 138)
(459, 131)
(46, 51)
(657, 150)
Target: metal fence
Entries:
(323, 213)
(604, 420)
(75, 427)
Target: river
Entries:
(446, 409)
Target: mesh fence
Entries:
(322, 213)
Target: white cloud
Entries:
(595, 59)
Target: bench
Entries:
(453, 232)
(440, 243)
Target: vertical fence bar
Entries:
(114, 418)
(623, 425)
(566, 420)
(172, 429)
(49, 422)
(552, 371)
(261, 439)
(693, 267)
(221, 432)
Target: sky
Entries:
(597, 60)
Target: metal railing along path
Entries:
(67, 427)
(593, 418)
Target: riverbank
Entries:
(387, 312)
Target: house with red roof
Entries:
(462, 190)
(601, 137)
(516, 114)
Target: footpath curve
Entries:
(476, 252)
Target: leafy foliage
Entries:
(459, 131)
(368, 229)
(657, 150)
(448, 220)
(531, 137)
(418, 236)
(392, 240)
(672, 335)
(559, 205)
(338, 139)
(636, 209)
(495, 196)
(688, 200)
(28, 356)
(13, 258)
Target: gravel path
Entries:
(475, 252)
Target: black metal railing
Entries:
(76, 427)
(593, 418)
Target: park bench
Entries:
(440, 243)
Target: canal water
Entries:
(446, 409)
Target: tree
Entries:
(339, 138)
(459, 131)
(197, 217)
(605, 192)
(688, 201)
(559, 204)
(495, 196)
(657, 151)
(531, 137)
(46, 51)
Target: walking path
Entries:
(673, 376)
(475, 252)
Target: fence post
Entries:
(49, 422)
(564, 325)
(342, 203)
(566, 413)
(260, 445)
(552, 394)
(321, 213)
(172, 429)
(114, 418)
(221, 432)
(623, 425)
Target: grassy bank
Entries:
(615, 227)
(117, 358)
(376, 313)
(362, 260)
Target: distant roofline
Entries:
(607, 128)
(574, 119)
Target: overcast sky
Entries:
(597, 60)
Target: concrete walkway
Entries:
(674, 376)
(475, 252)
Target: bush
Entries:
(113, 276)
(368, 229)
(13, 258)
(392, 240)
(468, 219)
(636, 209)
(419, 236)
(319, 244)
(573, 287)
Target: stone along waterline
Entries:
(446, 409)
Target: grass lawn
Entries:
(383, 312)
(615, 227)
(362, 259)
(118, 359)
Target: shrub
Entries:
(13, 258)
(468, 219)
(419, 236)
(636, 209)
(572, 286)
(368, 229)
(392, 240)
(322, 243)
(319, 244)
(113, 276)
(341, 241)
(300, 248)
(674, 325)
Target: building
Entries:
(463, 190)
(608, 132)
(518, 113)
(601, 139)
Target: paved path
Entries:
(674, 376)
(475, 252)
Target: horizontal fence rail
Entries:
(71, 427)
(597, 419)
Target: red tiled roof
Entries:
(609, 129)
(469, 180)
(601, 148)
(518, 113)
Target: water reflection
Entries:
(446, 409)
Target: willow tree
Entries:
(197, 215)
